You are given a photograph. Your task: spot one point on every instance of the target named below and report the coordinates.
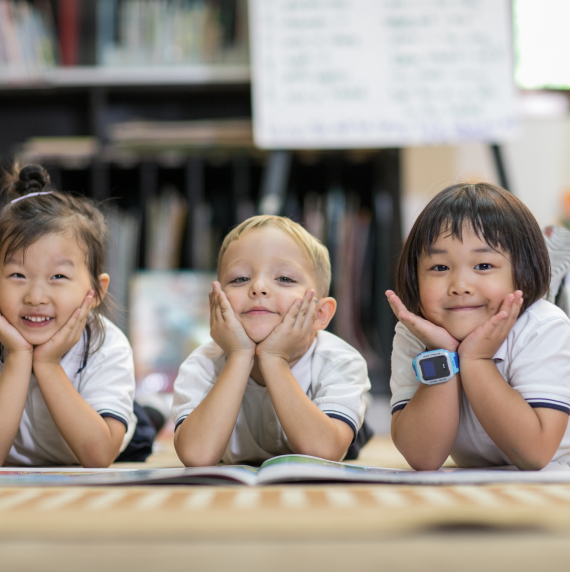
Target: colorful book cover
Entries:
(169, 319)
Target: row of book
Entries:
(170, 32)
(27, 36)
(41, 34)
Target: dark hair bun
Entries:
(32, 179)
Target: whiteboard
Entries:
(381, 73)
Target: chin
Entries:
(258, 335)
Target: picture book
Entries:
(286, 469)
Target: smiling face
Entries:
(463, 283)
(262, 274)
(39, 292)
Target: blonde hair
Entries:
(316, 252)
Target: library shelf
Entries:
(93, 76)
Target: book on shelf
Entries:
(165, 218)
(286, 469)
(27, 38)
(122, 258)
(179, 135)
(40, 34)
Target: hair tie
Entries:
(31, 195)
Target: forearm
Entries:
(203, 436)
(309, 431)
(512, 424)
(14, 385)
(426, 429)
(84, 430)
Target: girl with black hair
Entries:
(66, 375)
(470, 283)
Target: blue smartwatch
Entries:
(436, 366)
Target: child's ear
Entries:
(103, 285)
(326, 308)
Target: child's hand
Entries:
(293, 336)
(62, 341)
(484, 341)
(11, 338)
(226, 330)
(432, 336)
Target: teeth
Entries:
(36, 318)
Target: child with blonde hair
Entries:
(272, 382)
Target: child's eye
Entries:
(440, 268)
(483, 266)
(285, 279)
(58, 276)
(239, 280)
(17, 275)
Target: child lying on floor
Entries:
(272, 382)
(469, 286)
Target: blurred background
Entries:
(185, 117)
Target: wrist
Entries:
(41, 367)
(242, 356)
(269, 360)
(19, 355)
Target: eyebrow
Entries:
(63, 262)
(483, 250)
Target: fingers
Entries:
(77, 320)
(396, 304)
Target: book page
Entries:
(369, 73)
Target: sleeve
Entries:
(340, 391)
(403, 381)
(107, 384)
(196, 377)
(539, 367)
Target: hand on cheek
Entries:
(11, 338)
(292, 337)
(226, 330)
(485, 340)
(432, 336)
(63, 340)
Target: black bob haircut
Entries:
(498, 218)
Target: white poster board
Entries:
(381, 73)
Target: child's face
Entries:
(39, 292)
(262, 274)
(463, 284)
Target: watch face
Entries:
(434, 368)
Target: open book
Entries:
(279, 470)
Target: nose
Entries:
(258, 287)
(35, 296)
(460, 284)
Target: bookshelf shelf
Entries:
(95, 76)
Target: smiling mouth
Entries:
(37, 321)
(464, 308)
(258, 312)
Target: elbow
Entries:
(97, 459)
(197, 460)
(423, 465)
(191, 458)
(532, 464)
(328, 453)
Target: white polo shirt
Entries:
(332, 373)
(106, 382)
(534, 360)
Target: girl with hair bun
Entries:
(66, 372)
